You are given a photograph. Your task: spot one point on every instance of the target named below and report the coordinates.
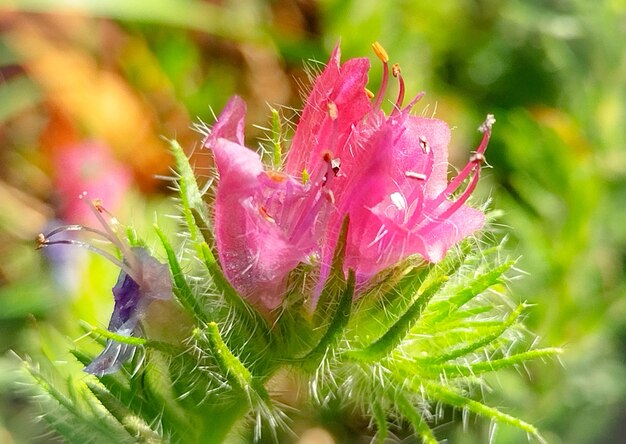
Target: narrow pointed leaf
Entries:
(181, 288)
(394, 335)
(415, 418)
(337, 324)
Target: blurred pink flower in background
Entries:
(88, 167)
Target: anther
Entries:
(487, 124)
(369, 93)
(395, 70)
(41, 241)
(332, 110)
(276, 176)
(415, 175)
(382, 55)
(380, 52)
(330, 196)
(265, 214)
(97, 203)
(424, 145)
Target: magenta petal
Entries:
(440, 236)
(402, 168)
(336, 104)
(257, 224)
(230, 124)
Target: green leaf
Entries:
(194, 209)
(485, 340)
(415, 418)
(69, 414)
(245, 313)
(492, 365)
(380, 418)
(336, 326)
(335, 283)
(181, 289)
(464, 293)
(396, 333)
(447, 395)
(133, 340)
(134, 424)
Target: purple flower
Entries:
(142, 280)
(388, 173)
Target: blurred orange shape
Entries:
(100, 102)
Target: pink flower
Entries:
(88, 167)
(266, 222)
(392, 177)
(388, 173)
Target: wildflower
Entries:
(388, 173)
(142, 280)
(392, 177)
(266, 222)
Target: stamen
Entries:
(382, 55)
(412, 103)
(265, 214)
(43, 241)
(458, 203)
(308, 209)
(97, 209)
(414, 175)
(380, 52)
(395, 70)
(397, 73)
(477, 158)
(369, 93)
(129, 265)
(473, 165)
(276, 176)
(487, 124)
(65, 228)
(332, 110)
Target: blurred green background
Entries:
(112, 77)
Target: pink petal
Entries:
(389, 195)
(230, 124)
(257, 250)
(336, 104)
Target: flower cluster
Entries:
(359, 191)
(386, 173)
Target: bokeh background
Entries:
(89, 88)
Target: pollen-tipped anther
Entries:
(487, 124)
(380, 52)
